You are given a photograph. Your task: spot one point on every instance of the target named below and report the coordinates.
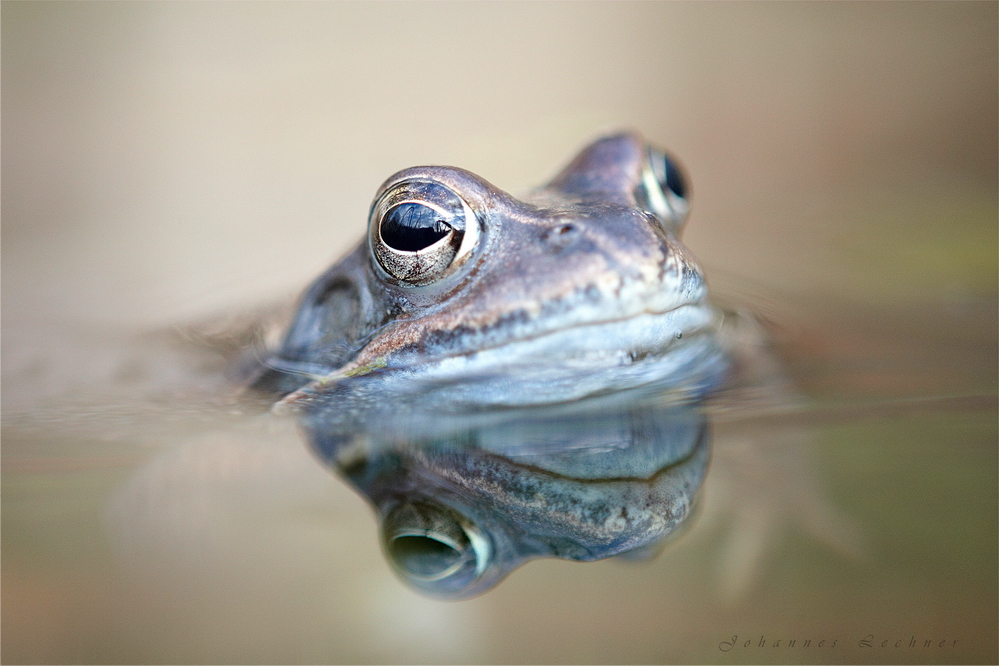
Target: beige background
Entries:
(166, 161)
(161, 160)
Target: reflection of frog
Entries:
(460, 511)
(507, 379)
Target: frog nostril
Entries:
(562, 235)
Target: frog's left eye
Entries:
(663, 190)
(421, 231)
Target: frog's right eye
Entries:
(434, 548)
(663, 190)
(421, 231)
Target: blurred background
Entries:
(165, 162)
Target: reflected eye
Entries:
(434, 548)
(663, 191)
(421, 231)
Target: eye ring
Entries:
(421, 231)
(434, 548)
(663, 190)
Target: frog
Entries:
(462, 297)
(510, 378)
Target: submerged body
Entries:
(513, 378)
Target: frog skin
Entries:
(462, 297)
(506, 379)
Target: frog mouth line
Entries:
(621, 342)
(613, 337)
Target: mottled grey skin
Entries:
(538, 398)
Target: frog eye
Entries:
(411, 227)
(434, 548)
(420, 231)
(663, 191)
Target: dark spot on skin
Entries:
(567, 549)
(356, 468)
(393, 311)
(593, 294)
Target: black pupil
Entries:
(674, 181)
(411, 227)
(424, 556)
